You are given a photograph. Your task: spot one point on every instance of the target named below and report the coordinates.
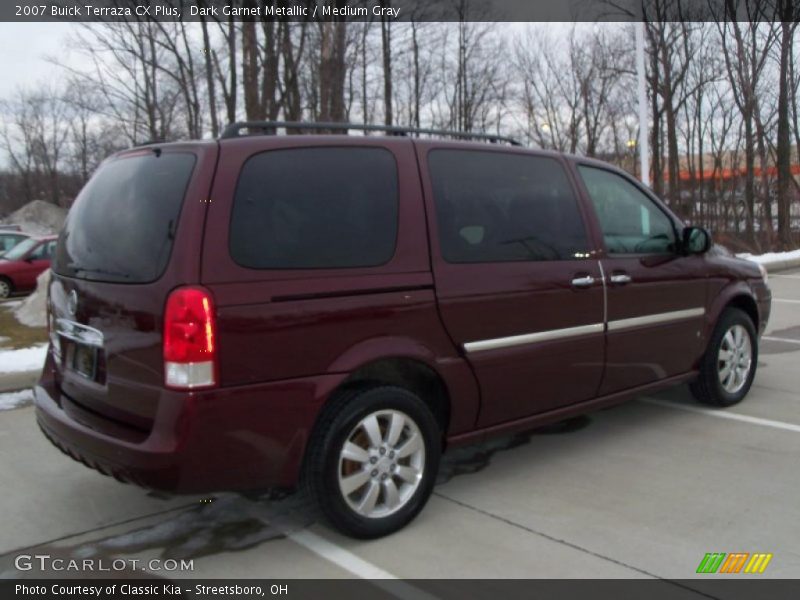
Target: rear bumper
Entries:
(244, 438)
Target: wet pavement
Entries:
(640, 490)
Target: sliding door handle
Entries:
(583, 282)
(620, 278)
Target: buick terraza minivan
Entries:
(331, 311)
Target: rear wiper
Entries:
(79, 269)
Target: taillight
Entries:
(190, 349)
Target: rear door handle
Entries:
(620, 278)
(583, 282)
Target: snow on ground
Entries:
(23, 359)
(12, 400)
(33, 310)
(38, 218)
(771, 258)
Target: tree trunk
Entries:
(293, 106)
(212, 92)
(657, 177)
(231, 100)
(749, 181)
(417, 82)
(332, 71)
(270, 107)
(386, 40)
(252, 106)
(783, 152)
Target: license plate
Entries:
(84, 361)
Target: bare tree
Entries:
(386, 46)
(746, 52)
(789, 14)
(671, 46)
(35, 138)
(332, 70)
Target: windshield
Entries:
(20, 249)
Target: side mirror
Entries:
(696, 240)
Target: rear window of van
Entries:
(122, 224)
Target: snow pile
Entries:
(38, 218)
(33, 310)
(23, 359)
(774, 258)
(12, 400)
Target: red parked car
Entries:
(22, 264)
(268, 311)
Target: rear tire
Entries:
(372, 460)
(6, 289)
(729, 364)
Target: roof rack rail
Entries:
(269, 127)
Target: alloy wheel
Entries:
(381, 463)
(735, 359)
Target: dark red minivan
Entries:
(269, 310)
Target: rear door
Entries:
(518, 289)
(656, 296)
(133, 234)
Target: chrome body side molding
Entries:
(533, 338)
(657, 318)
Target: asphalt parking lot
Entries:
(638, 491)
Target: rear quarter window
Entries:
(315, 208)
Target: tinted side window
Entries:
(39, 252)
(315, 208)
(631, 222)
(497, 207)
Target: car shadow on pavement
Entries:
(232, 522)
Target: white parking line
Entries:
(786, 300)
(771, 275)
(770, 338)
(358, 566)
(339, 556)
(723, 414)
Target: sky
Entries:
(24, 48)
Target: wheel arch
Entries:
(746, 304)
(738, 295)
(409, 373)
(442, 379)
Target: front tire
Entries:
(729, 365)
(373, 459)
(5, 288)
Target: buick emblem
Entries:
(72, 303)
